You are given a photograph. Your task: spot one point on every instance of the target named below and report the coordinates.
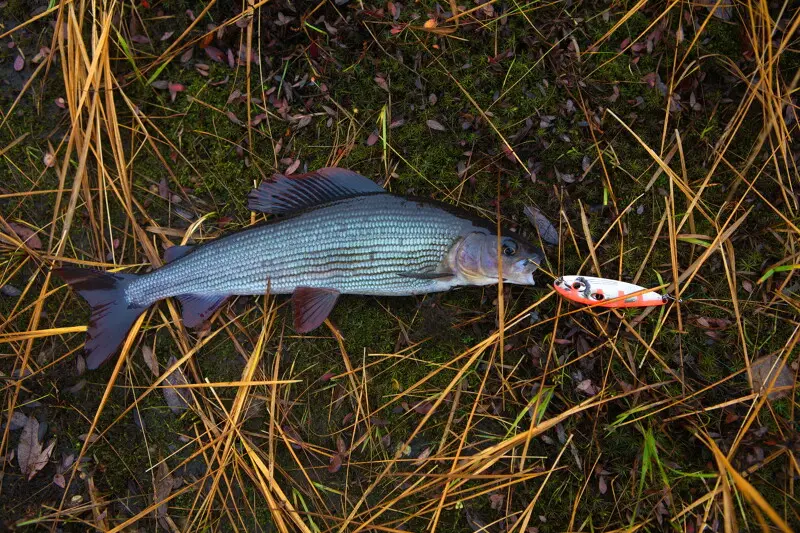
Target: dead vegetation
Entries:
(651, 143)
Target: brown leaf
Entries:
(215, 54)
(163, 488)
(381, 81)
(747, 285)
(27, 235)
(140, 39)
(764, 370)
(174, 89)
(423, 455)
(18, 421)
(163, 189)
(293, 167)
(713, 323)
(177, 399)
(546, 230)
(373, 138)
(233, 118)
(30, 456)
(435, 125)
(150, 360)
(496, 501)
(335, 463)
(59, 480)
(587, 387)
(187, 55)
(603, 485)
(19, 63)
(341, 447)
(423, 408)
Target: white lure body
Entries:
(604, 292)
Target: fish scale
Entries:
(357, 246)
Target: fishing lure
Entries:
(604, 292)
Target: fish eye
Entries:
(510, 247)
(597, 296)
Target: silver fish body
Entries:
(358, 245)
(336, 233)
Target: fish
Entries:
(333, 232)
(603, 292)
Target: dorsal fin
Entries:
(176, 252)
(282, 194)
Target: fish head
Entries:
(479, 259)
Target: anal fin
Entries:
(312, 306)
(197, 308)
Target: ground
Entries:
(655, 138)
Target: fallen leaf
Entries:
(747, 285)
(423, 455)
(10, 291)
(423, 408)
(166, 35)
(435, 125)
(233, 118)
(19, 63)
(177, 399)
(341, 447)
(546, 230)
(163, 488)
(381, 81)
(49, 159)
(293, 167)
(59, 480)
(215, 54)
(603, 485)
(373, 138)
(27, 235)
(30, 456)
(18, 421)
(763, 371)
(587, 387)
(150, 360)
(713, 323)
(187, 55)
(174, 89)
(140, 39)
(84, 436)
(335, 463)
(496, 501)
(163, 189)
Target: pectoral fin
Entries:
(312, 306)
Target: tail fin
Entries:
(111, 317)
